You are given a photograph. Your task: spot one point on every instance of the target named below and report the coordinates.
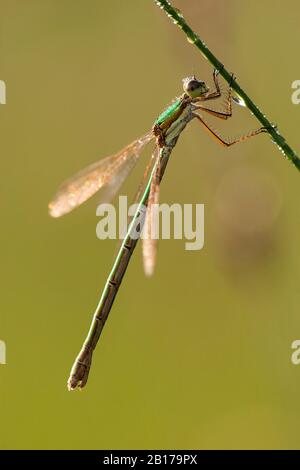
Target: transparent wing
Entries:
(140, 190)
(142, 186)
(149, 240)
(109, 172)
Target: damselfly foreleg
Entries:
(219, 114)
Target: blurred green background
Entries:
(199, 356)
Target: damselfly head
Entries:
(194, 87)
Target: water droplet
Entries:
(191, 40)
(178, 12)
(238, 100)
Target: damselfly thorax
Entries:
(174, 119)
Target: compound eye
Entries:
(193, 85)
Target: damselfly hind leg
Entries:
(224, 141)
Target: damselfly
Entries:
(111, 173)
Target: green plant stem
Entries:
(179, 20)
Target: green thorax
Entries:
(168, 113)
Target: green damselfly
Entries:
(111, 173)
